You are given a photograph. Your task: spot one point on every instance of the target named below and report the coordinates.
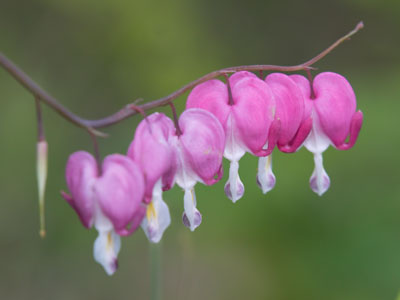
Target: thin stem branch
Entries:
(228, 84)
(41, 94)
(176, 121)
(127, 111)
(311, 80)
(40, 129)
(96, 151)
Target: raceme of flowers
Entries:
(245, 114)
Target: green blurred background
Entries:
(96, 56)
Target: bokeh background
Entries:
(96, 56)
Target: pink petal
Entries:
(335, 104)
(135, 222)
(254, 111)
(273, 135)
(212, 96)
(355, 128)
(120, 191)
(300, 137)
(81, 173)
(202, 142)
(151, 150)
(289, 105)
(304, 86)
(236, 77)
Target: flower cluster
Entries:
(245, 114)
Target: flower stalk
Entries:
(155, 271)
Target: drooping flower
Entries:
(294, 127)
(246, 109)
(199, 149)
(151, 150)
(110, 199)
(332, 105)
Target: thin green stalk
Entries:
(155, 271)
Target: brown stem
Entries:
(96, 152)
(42, 95)
(310, 80)
(127, 111)
(176, 121)
(228, 84)
(40, 129)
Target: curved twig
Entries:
(127, 111)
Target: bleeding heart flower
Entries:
(199, 150)
(332, 105)
(151, 150)
(110, 199)
(246, 109)
(294, 127)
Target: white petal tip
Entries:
(320, 184)
(111, 268)
(195, 222)
(319, 181)
(237, 193)
(157, 217)
(105, 251)
(266, 184)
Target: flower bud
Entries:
(41, 171)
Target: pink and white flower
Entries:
(332, 105)
(294, 127)
(246, 109)
(199, 149)
(110, 199)
(151, 150)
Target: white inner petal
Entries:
(234, 188)
(185, 177)
(157, 215)
(265, 177)
(319, 181)
(234, 150)
(107, 244)
(317, 141)
(192, 214)
(106, 249)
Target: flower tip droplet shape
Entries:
(196, 220)
(265, 177)
(157, 217)
(105, 251)
(234, 188)
(319, 181)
